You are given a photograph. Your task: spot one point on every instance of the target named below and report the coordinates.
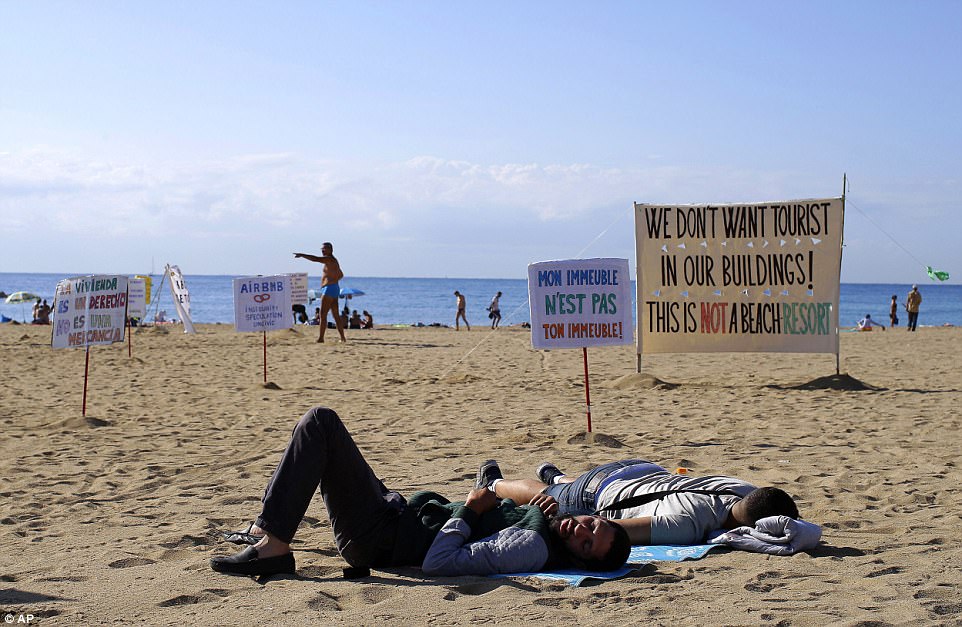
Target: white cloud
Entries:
(403, 215)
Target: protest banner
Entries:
(262, 303)
(760, 277)
(89, 310)
(178, 289)
(577, 303)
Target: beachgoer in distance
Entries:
(330, 290)
(317, 316)
(368, 320)
(354, 322)
(867, 324)
(912, 302)
(462, 306)
(894, 311)
(494, 310)
(45, 310)
(374, 526)
(664, 508)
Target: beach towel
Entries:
(775, 535)
(639, 555)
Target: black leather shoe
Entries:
(248, 563)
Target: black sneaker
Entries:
(487, 473)
(547, 473)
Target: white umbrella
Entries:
(21, 297)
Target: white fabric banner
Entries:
(262, 303)
(760, 277)
(178, 289)
(89, 310)
(577, 303)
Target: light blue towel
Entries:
(639, 555)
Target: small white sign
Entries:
(136, 298)
(262, 303)
(298, 288)
(577, 303)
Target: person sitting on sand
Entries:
(354, 322)
(867, 324)
(374, 526)
(653, 505)
(368, 320)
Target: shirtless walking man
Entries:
(462, 305)
(330, 290)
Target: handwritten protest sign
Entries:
(761, 277)
(137, 295)
(89, 310)
(577, 303)
(262, 303)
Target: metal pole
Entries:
(587, 392)
(265, 356)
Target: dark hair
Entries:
(616, 556)
(764, 502)
(327, 244)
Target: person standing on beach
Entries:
(894, 311)
(495, 310)
(912, 302)
(330, 290)
(462, 306)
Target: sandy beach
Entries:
(112, 518)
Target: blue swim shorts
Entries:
(331, 289)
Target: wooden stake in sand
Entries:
(587, 392)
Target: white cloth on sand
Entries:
(776, 535)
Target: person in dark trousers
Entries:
(912, 303)
(375, 526)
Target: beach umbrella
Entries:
(21, 297)
(348, 292)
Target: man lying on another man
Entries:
(374, 526)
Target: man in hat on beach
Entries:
(912, 303)
(374, 526)
(653, 505)
(330, 290)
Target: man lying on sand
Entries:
(653, 505)
(377, 527)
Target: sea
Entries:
(413, 301)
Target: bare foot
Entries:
(271, 546)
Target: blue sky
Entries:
(465, 140)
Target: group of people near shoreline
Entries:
(493, 309)
(912, 304)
